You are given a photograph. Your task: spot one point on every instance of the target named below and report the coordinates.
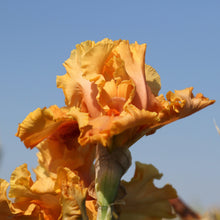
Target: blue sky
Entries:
(183, 45)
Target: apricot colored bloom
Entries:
(62, 176)
(111, 95)
(56, 161)
(63, 197)
(29, 201)
(61, 190)
(112, 99)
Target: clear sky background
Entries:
(183, 45)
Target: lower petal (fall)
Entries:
(42, 123)
(143, 199)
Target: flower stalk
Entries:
(110, 166)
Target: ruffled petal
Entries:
(43, 185)
(92, 63)
(73, 195)
(123, 85)
(124, 128)
(113, 96)
(131, 125)
(41, 123)
(143, 199)
(98, 131)
(72, 82)
(62, 197)
(8, 210)
(134, 57)
(20, 182)
(79, 93)
(5, 203)
(180, 104)
(36, 201)
(85, 66)
(55, 153)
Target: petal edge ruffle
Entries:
(143, 199)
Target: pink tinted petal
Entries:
(134, 58)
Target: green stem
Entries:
(105, 213)
(110, 167)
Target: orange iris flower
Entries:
(64, 196)
(111, 97)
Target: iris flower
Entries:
(46, 198)
(63, 196)
(64, 188)
(112, 99)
